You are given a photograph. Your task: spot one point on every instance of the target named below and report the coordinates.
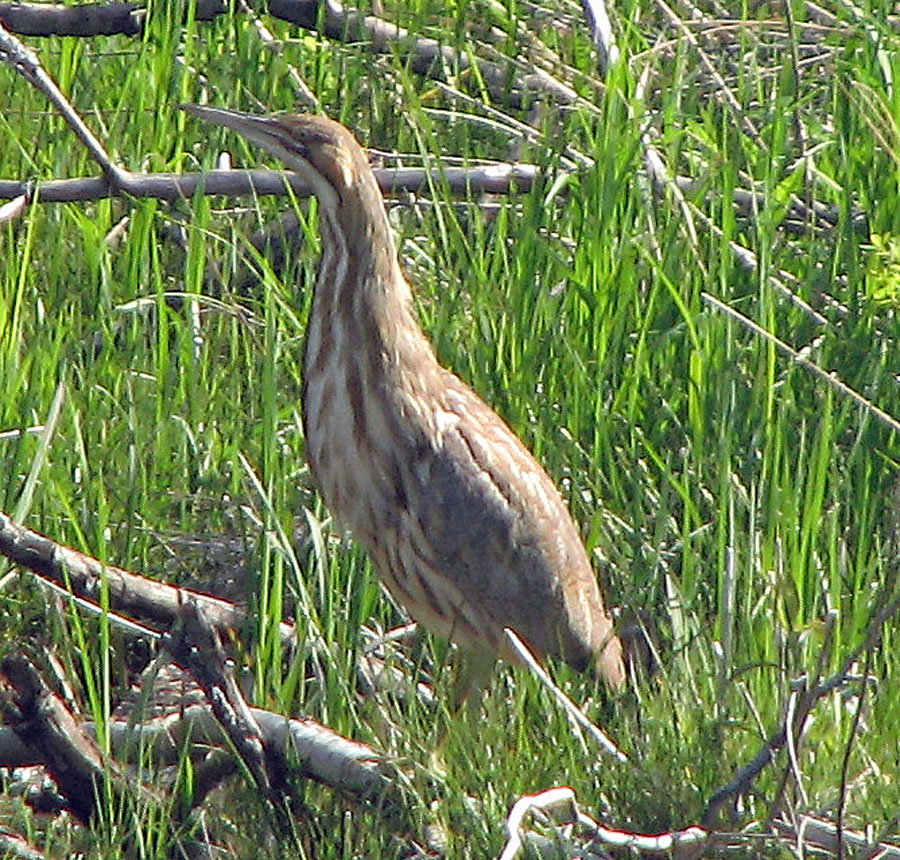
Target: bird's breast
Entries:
(365, 429)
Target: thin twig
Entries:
(525, 655)
(26, 62)
(848, 749)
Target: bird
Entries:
(465, 528)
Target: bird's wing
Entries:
(489, 523)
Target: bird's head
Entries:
(320, 150)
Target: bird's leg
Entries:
(473, 673)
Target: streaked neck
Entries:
(359, 286)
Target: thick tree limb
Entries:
(322, 755)
(129, 593)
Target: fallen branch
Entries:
(41, 720)
(818, 833)
(497, 178)
(14, 847)
(195, 646)
(424, 56)
(321, 754)
(129, 593)
(324, 755)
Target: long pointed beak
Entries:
(290, 140)
(247, 124)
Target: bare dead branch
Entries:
(218, 767)
(495, 179)
(167, 186)
(344, 765)
(129, 593)
(604, 39)
(88, 19)
(534, 829)
(93, 19)
(812, 832)
(552, 824)
(196, 647)
(426, 57)
(26, 62)
(42, 720)
(13, 209)
(888, 603)
(324, 756)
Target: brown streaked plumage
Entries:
(467, 530)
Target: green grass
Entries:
(678, 436)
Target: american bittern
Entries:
(466, 529)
